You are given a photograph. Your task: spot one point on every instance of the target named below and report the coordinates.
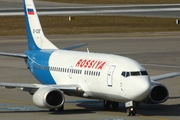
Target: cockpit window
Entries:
(144, 73)
(134, 73)
(125, 74)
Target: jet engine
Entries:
(158, 94)
(47, 97)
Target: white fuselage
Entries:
(100, 75)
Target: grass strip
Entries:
(15, 25)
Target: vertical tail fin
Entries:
(35, 35)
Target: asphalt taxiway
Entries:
(160, 51)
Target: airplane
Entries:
(108, 77)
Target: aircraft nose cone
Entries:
(142, 88)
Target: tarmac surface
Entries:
(160, 51)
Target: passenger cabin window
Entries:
(134, 73)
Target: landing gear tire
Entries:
(107, 104)
(52, 110)
(128, 112)
(131, 111)
(58, 109)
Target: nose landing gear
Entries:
(131, 111)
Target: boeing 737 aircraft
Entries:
(108, 77)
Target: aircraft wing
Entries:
(20, 85)
(165, 76)
(31, 88)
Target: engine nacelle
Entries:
(47, 97)
(158, 94)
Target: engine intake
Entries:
(159, 94)
(48, 98)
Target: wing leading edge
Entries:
(32, 88)
(165, 76)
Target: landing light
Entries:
(131, 109)
(79, 89)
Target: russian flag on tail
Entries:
(30, 11)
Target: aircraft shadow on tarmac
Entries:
(145, 109)
(159, 110)
(90, 107)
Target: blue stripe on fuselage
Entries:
(38, 63)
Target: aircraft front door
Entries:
(110, 76)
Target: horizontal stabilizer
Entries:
(74, 46)
(20, 55)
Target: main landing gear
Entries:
(58, 109)
(131, 111)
